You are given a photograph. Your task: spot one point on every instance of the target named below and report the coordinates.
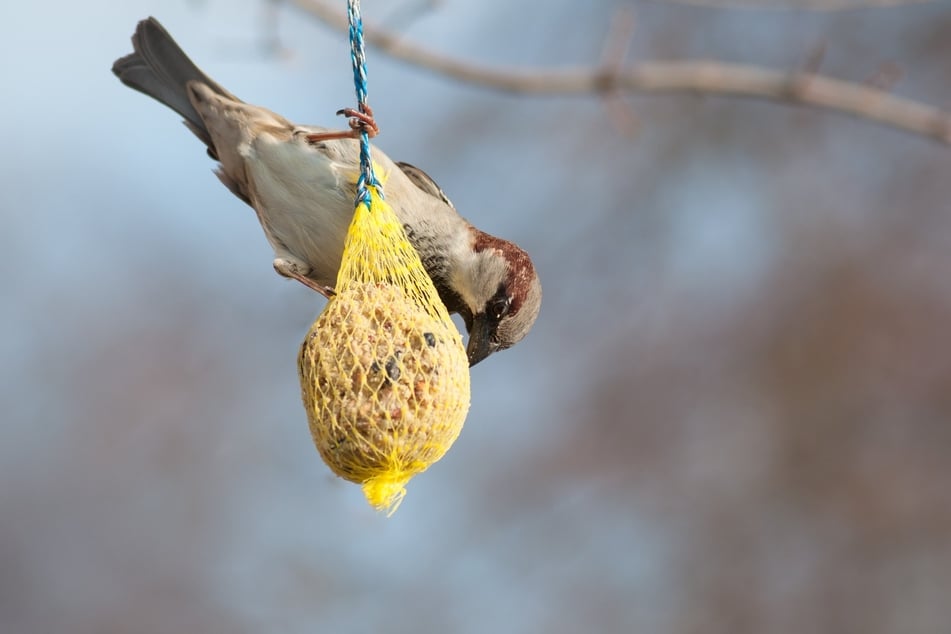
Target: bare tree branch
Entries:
(795, 5)
(699, 77)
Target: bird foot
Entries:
(359, 122)
(294, 270)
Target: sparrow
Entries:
(301, 182)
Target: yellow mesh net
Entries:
(384, 374)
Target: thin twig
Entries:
(699, 77)
(617, 45)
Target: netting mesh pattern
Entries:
(384, 374)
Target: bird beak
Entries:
(480, 345)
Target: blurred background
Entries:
(733, 415)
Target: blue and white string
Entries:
(358, 58)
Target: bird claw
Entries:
(326, 291)
(359, 123)
(292, 269)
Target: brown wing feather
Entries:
(424, 181)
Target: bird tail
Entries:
(159, 68)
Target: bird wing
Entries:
(424, 181)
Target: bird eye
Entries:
(499, 307)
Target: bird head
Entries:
(498, 295)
